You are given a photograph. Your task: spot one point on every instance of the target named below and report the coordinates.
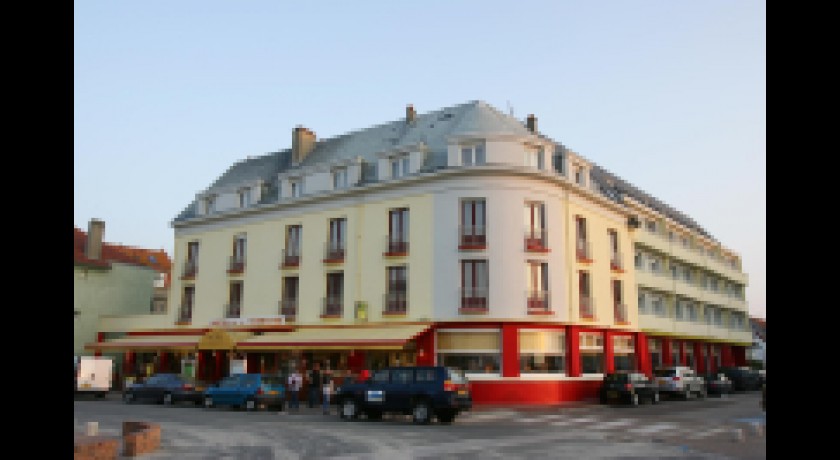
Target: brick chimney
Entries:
(93, 248)
(410, 114)
(303, 141)
(532, 123)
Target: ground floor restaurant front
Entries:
(505, 363)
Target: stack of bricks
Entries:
(95, 448)
(140, 438)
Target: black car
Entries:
(164, 389)
(421, 392)
(629, 387)
(717, 383)
(743, 378)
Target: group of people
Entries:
(319, 381)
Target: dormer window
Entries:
(472, 155)
(535, 158)
(210, 204)
(580, 176)
(295, 188)
(244, 198)
(339, 176)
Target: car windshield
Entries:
(455, 375)
(665, 372)
(232, 381)
(616, 378)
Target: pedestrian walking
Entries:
(314, 384)
(328, 390)
(295, 382)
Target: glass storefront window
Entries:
(471, 363)
(542, 351)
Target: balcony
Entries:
(587, 307)
(236, 265)
(474, 300)
(333, 307)
(617, 262)
(620, 312)
(396, 303)
(290, 258)
(537, 302)
(536, 240)
(395, 246)
(185, 313)
(288, 308)
(471, 238)
(583, 249)
(190, 270)
(233, 310)
(334, 253)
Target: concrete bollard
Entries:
(738, 435)
(92, 428)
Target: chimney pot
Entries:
(303, 142)
(93, 248)
(410, 114)
(532, 123)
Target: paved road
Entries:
(699, 429)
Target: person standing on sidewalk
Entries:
(295, 382)
(327, 383)
(314, 384)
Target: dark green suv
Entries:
(422, 392)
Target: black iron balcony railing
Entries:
(333, 306)
(289, 308)
(587, 307)
(620, 311)
(185, 313)
(190, 269)
(334, 252)
(396, 303)
(236, 264)
(233, 310)
(538, 302)
(396, 246)
(474, 299)
(472, 237)
(536, 239)
(291, 258)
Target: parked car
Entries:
(630, 387)
(679, 381)
(164, 389)
(743, 378)
(247, 391)
(717, 383)
(422, 392)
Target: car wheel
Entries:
(208, 402)
(634, 399)
(349, 409)
(250, 405)
(167, 399)
(420, 413)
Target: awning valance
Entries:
(146, 342)
(385, 337)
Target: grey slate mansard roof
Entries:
(433, 129)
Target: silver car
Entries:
(679, 381)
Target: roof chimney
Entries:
(410, 114)
(532, 123)
(93, 249)
(303, 142)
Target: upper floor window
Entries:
(473, 223)
(334, 301)
(191, 264)
(638, 259)
(399, 166)
(616, 262)
(537, 286)
(397, 231)
(237, 260)
(210, 204)
(587, 306)
(535, 234)
(582, 245)
(291, 252)
(396, 297)
(472, 155)
(337, 238)
(620, 309)
(234, 306)
(244, 197)
(580, 175)
(187, 301)
(474, 284)
(339, 176)
(650, 225)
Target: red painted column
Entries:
(666, 352)
(164, 361)
(682, 360)
(510, 350)
(200, 366)
(128, 363)
(356, 361)
(573, 351)
(217, 375)
(699, 357)
(609, 361)
(643, 363)
(726, 355)
(712, 363)
(100, 337)
(253, 363)
(426, 348)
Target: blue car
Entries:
(247, 391)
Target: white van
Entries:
(93, 375)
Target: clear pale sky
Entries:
(669, 95)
